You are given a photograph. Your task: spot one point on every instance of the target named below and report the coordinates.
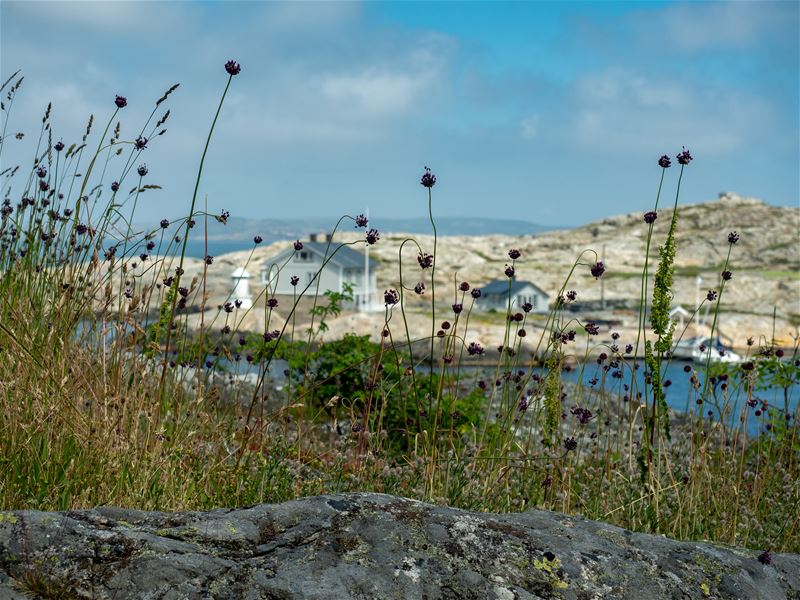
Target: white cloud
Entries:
(529, 127)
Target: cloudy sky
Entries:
(548, 112)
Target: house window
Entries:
(304, 255)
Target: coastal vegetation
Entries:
(109, 396)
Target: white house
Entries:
(495, 294)
(346, 266)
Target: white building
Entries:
(495, 294)
(346, 266)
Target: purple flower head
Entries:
(570, 444)
(140, 143)
(164, 223)
(474, 348)
(228, 307)
(527, 307)
(457, 308)
(151, 245)
(664, 162)
(727, 275)
(684, 157)
(464, 286)
(372, 236)
(425, 260)
(475, 293)
(522, 333)
(650, 217)
(765, 558)
(233, 67)
(598, 269)
(121, 101)
(514, 254)
(711, 295)
(584, 415)
(628, 348)
(592, 328)
(208, 259)
(142, 170)
(572, 295)
(223, 217)
(294, 280)
(258, 239)
(41, 172)
(43, 185)
(428, 178)
(509, 271)
(59, 146)
(733, 237)
(115, 186)
(143, 257)
(361, 221)
(390, 297)
(419, 288)
(272, 303)
(298, 245)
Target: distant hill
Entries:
(238, 234)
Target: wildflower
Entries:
(584, 415)
(233, 68)
(522, 333)
(765, 558)
(59, 146)
(445, 325)
(475, 293)
(372, 236)
(41, 172)
(592, 328)
(428, 178)
(298, 245)
(272, 303)
(191, 223)
(733, 237)
(464, 287)
(598, 269)
(509, 271)
(390, 297)
(572, 295)
(140, 143)
(142, 170)
(615, 336)
(419, 288)
(650, 216)
(228, 307)
(514, 254)
(473, 349)
(43, 185)
(711, 295)
(750, 341)
(457, 308)
(294, 280)
(527, 307)
(258, 239)
(121, 101)
(223, 217)
(151, 245)
(425, 260)
(115, 186)
(164, 223)
(684, 157)
(664, 162)
(208, 259)
(361, 221)
(727, 275)
(570, 444)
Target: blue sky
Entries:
(548, 112)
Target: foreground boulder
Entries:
(366, 546)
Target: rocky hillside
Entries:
(765, 262)
(367, 546)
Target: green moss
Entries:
(8, 518)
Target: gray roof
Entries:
(344, 256)
(500, 287)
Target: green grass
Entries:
(146, 417)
